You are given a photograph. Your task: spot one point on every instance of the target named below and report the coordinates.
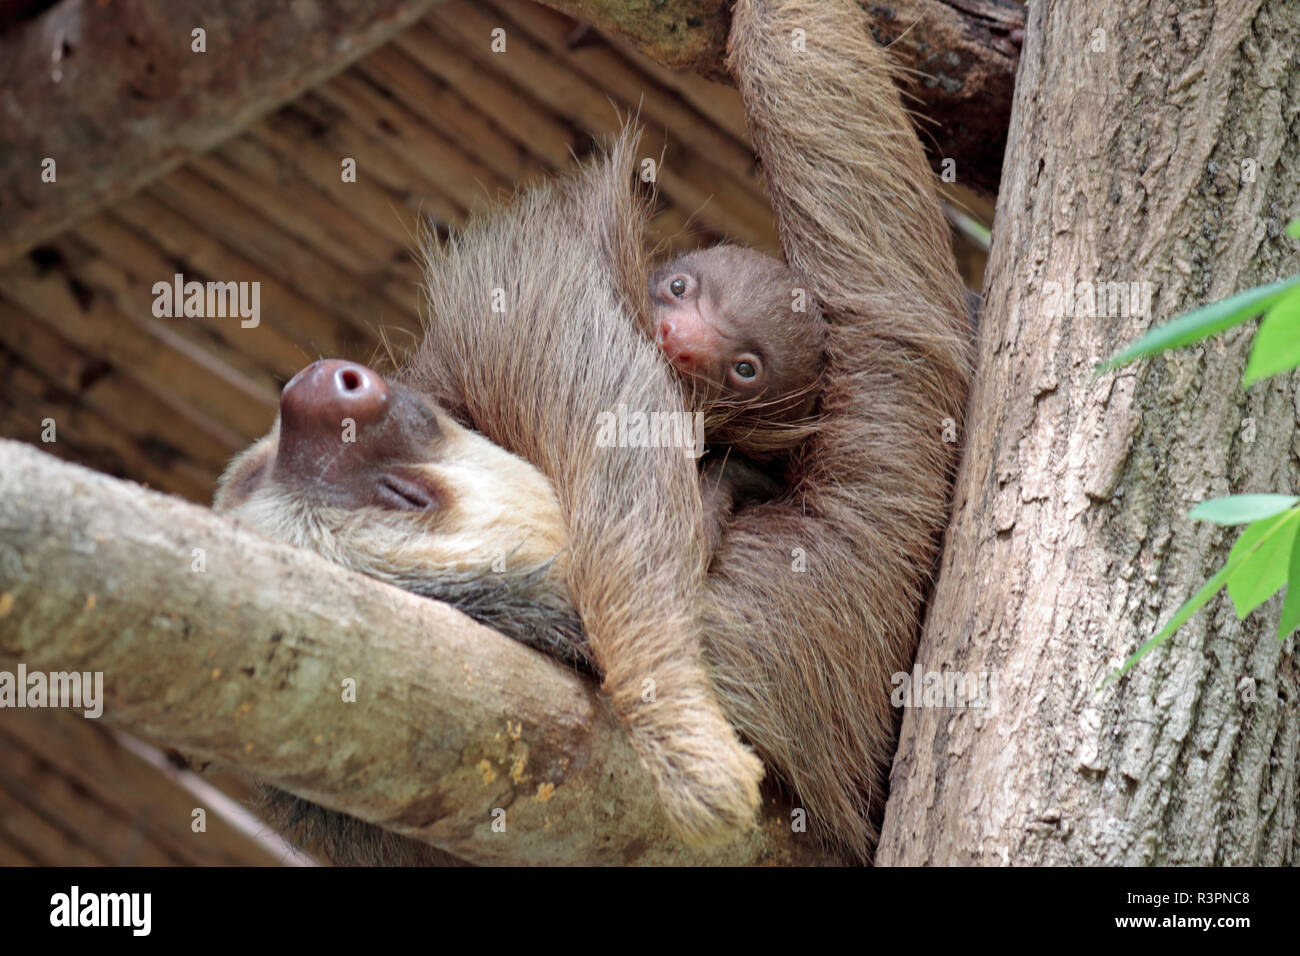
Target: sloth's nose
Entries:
(674, 345)
(664, 333)
(348, 439)
(327, 393)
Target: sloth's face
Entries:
(370, 475)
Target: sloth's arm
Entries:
(815, 603)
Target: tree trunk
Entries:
(1170, 156)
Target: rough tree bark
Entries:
(1171, 156)
(244, 664)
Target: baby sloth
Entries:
(749, 341)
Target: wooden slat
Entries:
(20, 426)
(509, 107)
(111, 839)
(735, 212)
(12, 855)
(128, 787)
(243, 229)
(316, 329)
(37, 344)
(389, 213)
(35, 399)
(471, 183)
(129, 404)
(95, 325)
(246, 170)
(444, 109)
(604, 66)
(129, 264)
(385, 158)
(469, 28)
(36, 836)
(196, 339)
(717, 101)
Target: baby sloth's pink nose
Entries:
(674, 345)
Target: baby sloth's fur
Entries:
(803, 661)
(813, 601)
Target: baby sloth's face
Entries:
(702, 337)
(727, 318)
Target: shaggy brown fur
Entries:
(815, 600)
(802, 661)
(566, 266)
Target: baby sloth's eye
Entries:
(746, 371)
(677, 287)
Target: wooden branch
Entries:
(114, 94)
(964, 54)
(236, 649)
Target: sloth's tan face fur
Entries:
(494, 512)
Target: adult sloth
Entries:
(812, 601)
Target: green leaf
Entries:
(1202, 323)
(1242, 509)
(1291, 604)
(1277, 343)
(981, 232)
(1266, 549)
(1293, 228)
(1190, 607)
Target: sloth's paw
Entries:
(706, 778)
